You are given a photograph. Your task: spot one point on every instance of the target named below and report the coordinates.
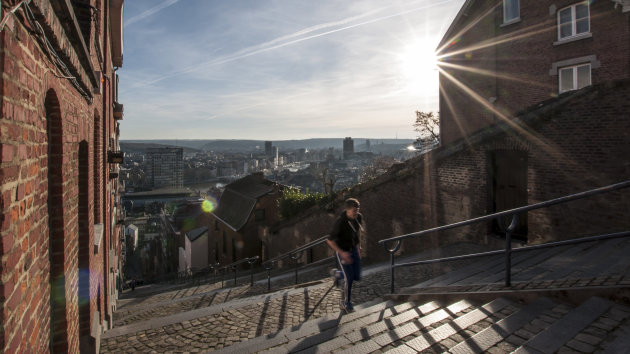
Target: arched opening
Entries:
(84, 244)
(56, 225)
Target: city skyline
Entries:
(281, 70)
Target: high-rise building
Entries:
(268, 148)
(348, 147)
(165, 167)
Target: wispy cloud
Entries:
(309, 33)
(238, 74)
(150, 12)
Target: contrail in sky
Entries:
(300, 36)
(150, 11)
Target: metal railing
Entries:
(508, 239)
(216, 270)
(295, 255)
(234, 266)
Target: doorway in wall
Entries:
(508, 176)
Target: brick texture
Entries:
(47, 231)
(492, 71)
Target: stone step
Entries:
(494, 334)
(379, 331)
(621, 343)
(366, 325)
(365, 343)
(501, 325)
(317, 327)
(554, 337)
(425, 340)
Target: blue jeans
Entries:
(350, 272)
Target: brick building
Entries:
(247, 209)
(59, 206)
(501, 57)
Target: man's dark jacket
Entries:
(346, 232)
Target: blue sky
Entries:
(279, 69)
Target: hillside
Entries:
(143, 147)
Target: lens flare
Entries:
(209, 205)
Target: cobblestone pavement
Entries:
(203, 318)
(277, 310)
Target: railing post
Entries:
(392, 252)
(222, 276)
(251, 262)
(295, 257)
(234, 269)
(508, 250)
(268, 269)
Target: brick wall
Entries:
(515, 60)
(53, 183)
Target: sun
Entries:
(418, 66)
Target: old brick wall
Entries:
(53, 183)
(518, 57)
(586, 145)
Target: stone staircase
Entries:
(504, 324)
(563, 300)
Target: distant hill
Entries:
(259, 145)
(143, 147)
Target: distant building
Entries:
(165, 168)
(367, 145)
(195, 250)
(268, 148)
(348, 147)
(301, 154)
(247, 207)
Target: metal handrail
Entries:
(295, 255)
(508, 240)
(234, 267)
(550, 202)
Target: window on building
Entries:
(511, 11)
(259, 215)
(574, 20)
(574, 77)
(224, 243)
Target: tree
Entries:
(379, 166)
(428, 125)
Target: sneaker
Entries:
(346, 306)
(343, 306)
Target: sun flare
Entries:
(418, 66)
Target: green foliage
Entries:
(293, 202)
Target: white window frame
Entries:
(574, 21)
(518, 12)
(574, 69)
